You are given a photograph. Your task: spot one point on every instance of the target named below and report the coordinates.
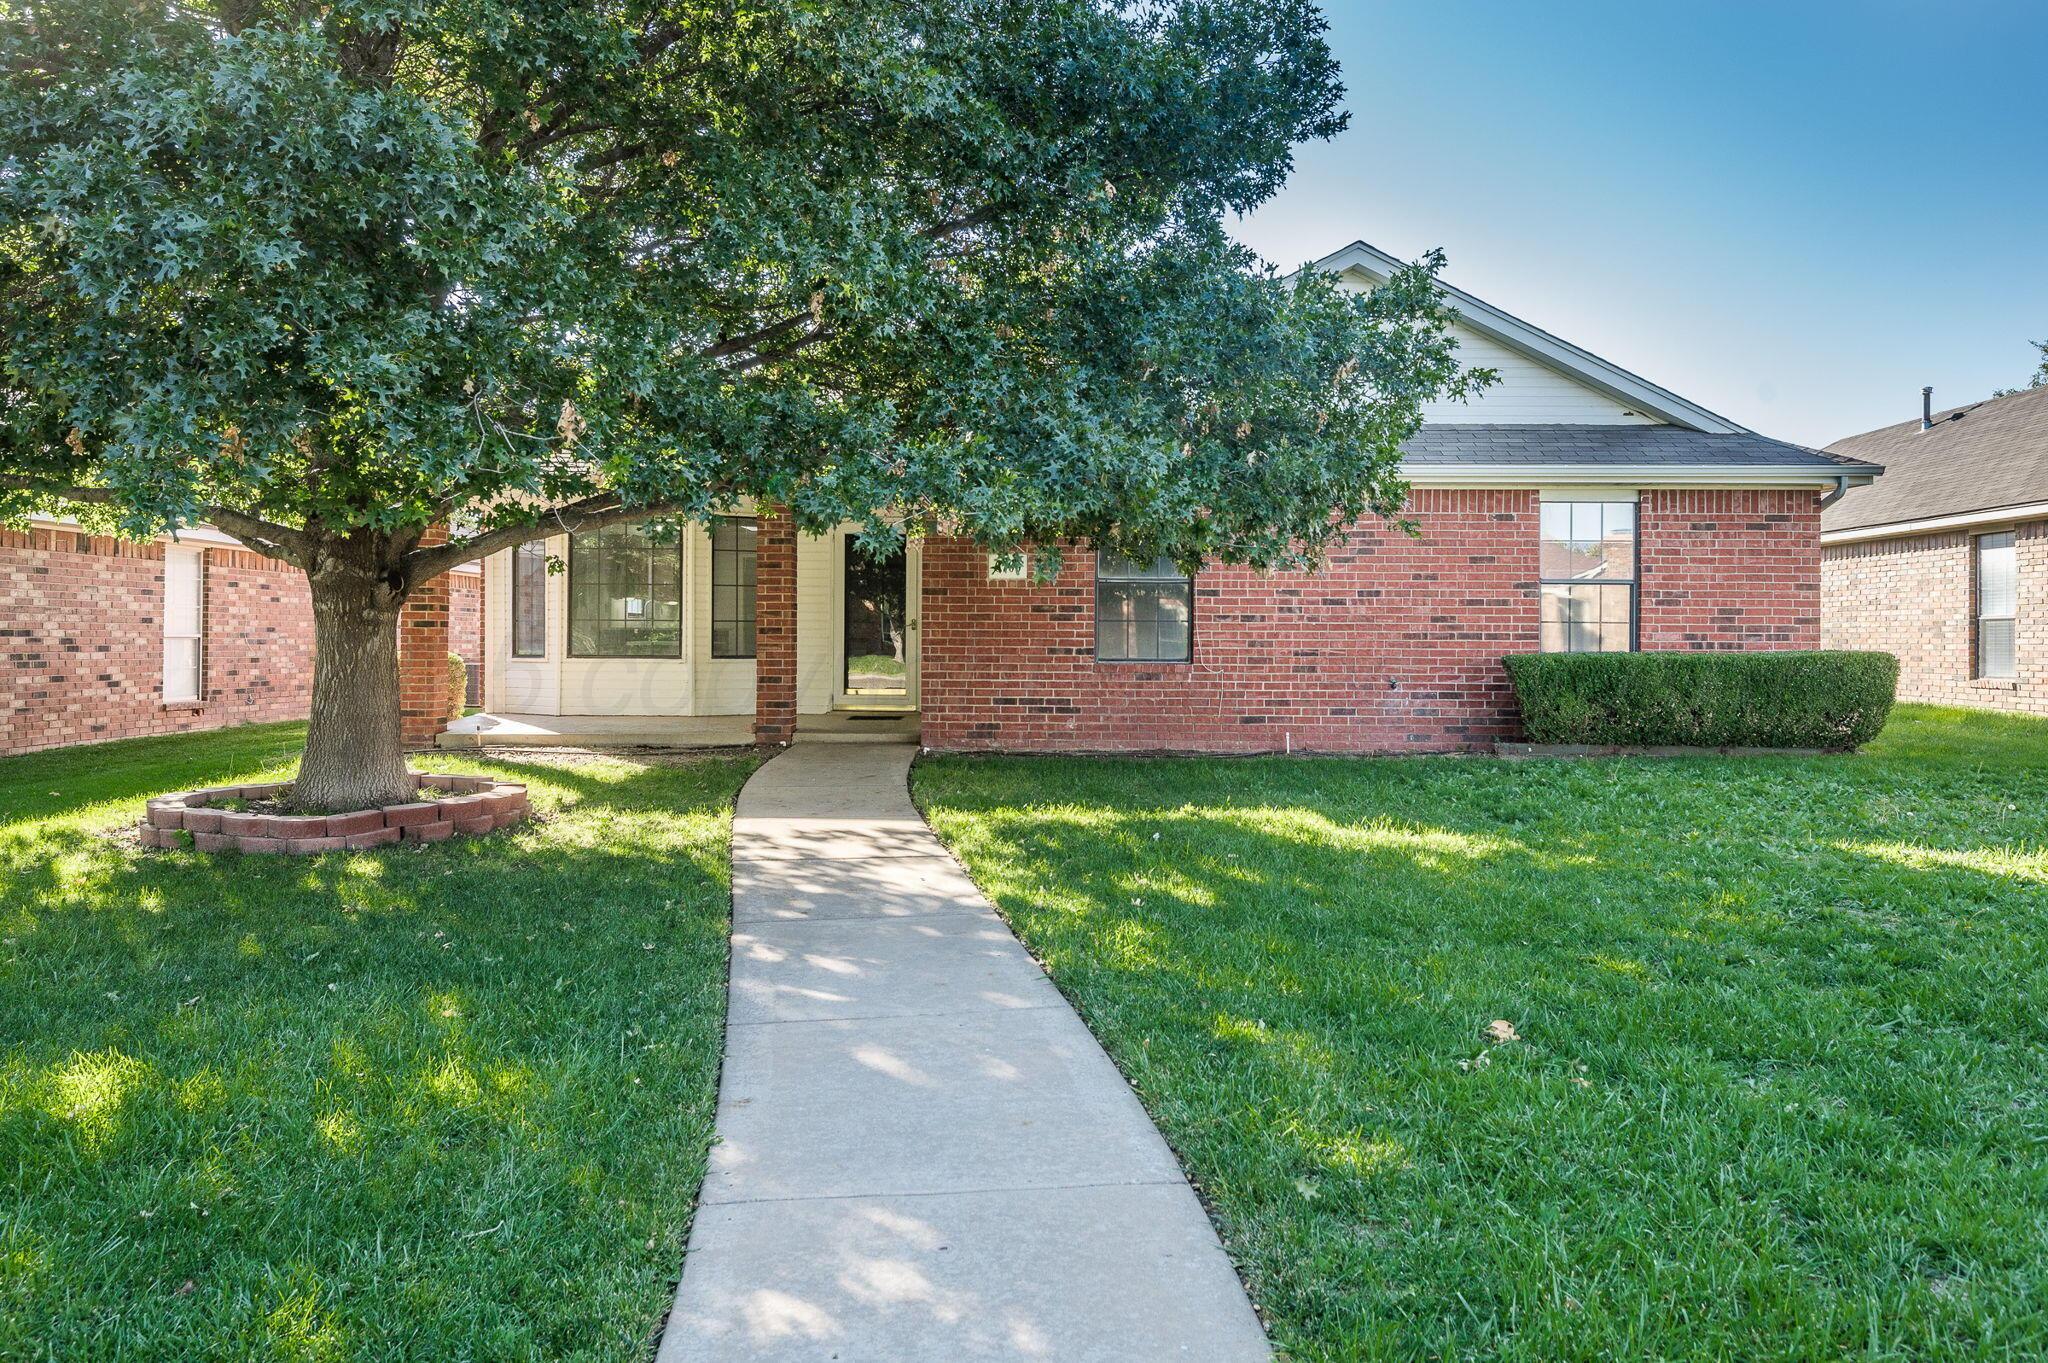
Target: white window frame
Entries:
(1571, 500)
(1986, 609)
(184, 623)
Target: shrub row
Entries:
(1822, 699)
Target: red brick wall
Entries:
(1395, 647)
(81, 641)
(775, 629)
(1914, 596)
(466, 617)
(424, 642)
(466, 624)
(1729, 569)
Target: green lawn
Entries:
(440, 1103)
(1781, 1083)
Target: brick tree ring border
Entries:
(478, 805)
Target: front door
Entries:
(877, 647)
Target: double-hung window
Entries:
(625, 592)
(734, 545)
(184, 593)
(530, 599)
(1589, 577)
(1997, 605)
(1144, 612)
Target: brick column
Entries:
(775, 628)
(423, 657)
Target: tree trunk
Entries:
(354, 756)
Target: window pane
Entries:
(624, 600)
(1997, 576)
(734, 540)
(1118, 567)
(1586, 618)
(530, 599)
(1995, 649)
(1587, 540)
(181, 669)
(1143, 617)
(1586, 522)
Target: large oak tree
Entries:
(328, 274)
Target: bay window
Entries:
(625, 592)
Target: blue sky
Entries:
(1794, 214)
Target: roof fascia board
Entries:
(1517, 335)
(1629, 475)
(1928, 525)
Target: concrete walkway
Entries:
(923, 1154)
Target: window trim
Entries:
(178, 553)
(512, 596)
(1095, 620)
(569, 614)
(1977, 615)
(1634, 581)
(711, 615)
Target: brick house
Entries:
(104, 638)
(1572, 506)
(1945, 560)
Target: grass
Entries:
(1779, 1087)
(440, 1103)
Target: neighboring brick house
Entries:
(1572, 506)
(1944, 561)
(104, 638)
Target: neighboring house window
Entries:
(1144, 613)
(530, 599)
(1997, 604)
(184, 593)
(732, 586)
(625, 592)
(1589, 577)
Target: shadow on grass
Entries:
(417, 1103)
(1776, 1031)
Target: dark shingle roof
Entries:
(1981, 457)
(1454, 443)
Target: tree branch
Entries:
(98, 496)
(267, 538)
(591, 513)
(815, 336)
(272, 541)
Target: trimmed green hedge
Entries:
(1832, 700)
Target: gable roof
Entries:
(1979, 458)
(1542, 347)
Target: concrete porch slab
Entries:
(504, 729)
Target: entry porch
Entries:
(737, 632)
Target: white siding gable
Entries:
(1528, 393)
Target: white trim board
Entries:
(1962, 520)
(1633, 390)
(1625, 475)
